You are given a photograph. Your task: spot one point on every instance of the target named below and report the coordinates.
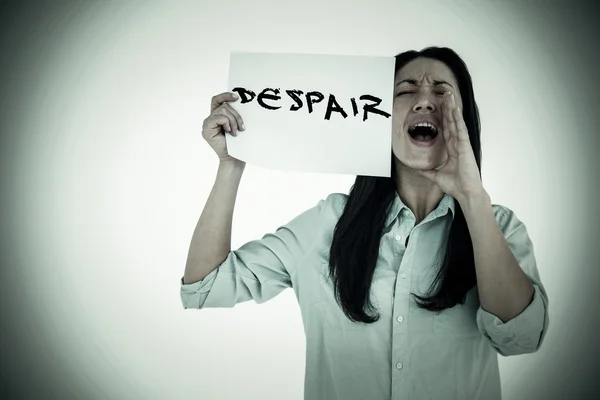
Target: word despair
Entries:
(314, 97)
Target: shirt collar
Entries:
(446, 203)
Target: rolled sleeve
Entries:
(522, 334)
(260, 269)
(525, 332)
(193, 295)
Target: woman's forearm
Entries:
(504, 289)
(211, 241)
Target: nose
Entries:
(424, 105)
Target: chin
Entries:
(423, 161)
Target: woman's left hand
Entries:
(458, 176)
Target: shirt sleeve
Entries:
(260, 269)
(525, 332)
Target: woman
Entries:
(409, 286)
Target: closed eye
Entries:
(403, 93)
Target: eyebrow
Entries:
(414, 82)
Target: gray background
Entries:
(104, 175)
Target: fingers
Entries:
(238, 118)
(445, 120)
(220, 99)
(224, 117)
(233, 122)
(449, 124)
(461, 127)
(212, 124)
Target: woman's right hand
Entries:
(222, 118)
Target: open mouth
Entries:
(423, 132)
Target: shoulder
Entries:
(324, 213)
(332, 206)
(317, 223)
(336, 201)
(507, 219)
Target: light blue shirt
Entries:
(409, 353)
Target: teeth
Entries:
(427, 124)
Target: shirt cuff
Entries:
(194, 294)
(519, 335)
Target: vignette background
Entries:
(105, 173)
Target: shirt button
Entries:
(403, 276)
(398, 238)
(400, 319)
(399, 365)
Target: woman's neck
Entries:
(419, 194)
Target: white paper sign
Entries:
(313, 113)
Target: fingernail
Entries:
(235, 96)
(243, 127)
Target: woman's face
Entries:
(418, 94)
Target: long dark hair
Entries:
(357, 235)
